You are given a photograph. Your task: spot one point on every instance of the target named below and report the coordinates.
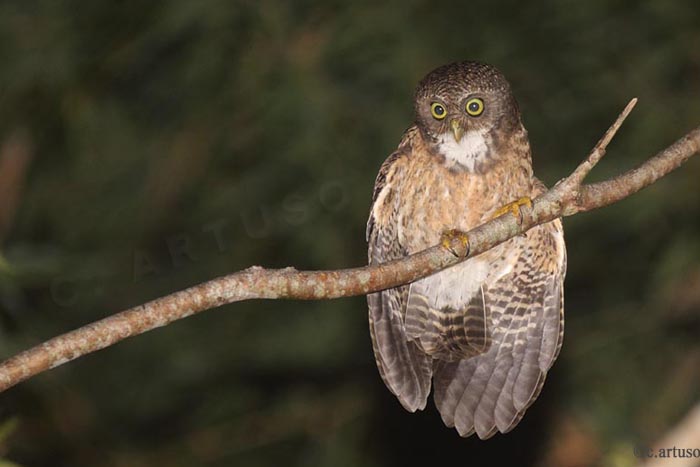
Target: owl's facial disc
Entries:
(466, 112)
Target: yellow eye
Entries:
(475, 107)
(438, 111)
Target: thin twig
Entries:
(576, 178)
(564, 199)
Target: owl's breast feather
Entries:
(469, 152)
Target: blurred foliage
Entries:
(172, 141)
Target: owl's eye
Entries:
(475, 107)
(438, 111)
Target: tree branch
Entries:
(566, 198)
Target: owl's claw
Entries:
(456, 242)
(514, 208)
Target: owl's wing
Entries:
(405, 369)
(525, 308)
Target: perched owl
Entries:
(486, 330)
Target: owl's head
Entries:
(460, 106)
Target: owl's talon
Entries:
(456, 242)
(514, 208)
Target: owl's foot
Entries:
(456, 242)
(514, 208)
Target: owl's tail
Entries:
(448, 333)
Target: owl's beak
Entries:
(457, 130)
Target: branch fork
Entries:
(568, 197)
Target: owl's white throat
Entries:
(467, 152)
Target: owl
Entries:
(483, 333)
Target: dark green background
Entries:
(152, 125)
